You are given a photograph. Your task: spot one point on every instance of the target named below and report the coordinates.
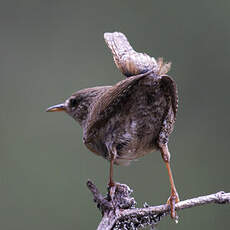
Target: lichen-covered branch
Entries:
(119, 212)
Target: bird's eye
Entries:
(73, 102)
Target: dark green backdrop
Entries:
(49, 49)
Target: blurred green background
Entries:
(49, 49)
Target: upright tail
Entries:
(126, 58)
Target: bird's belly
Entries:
(135, 140)
(124, 158)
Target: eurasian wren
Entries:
(132, 118)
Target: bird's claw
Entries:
(111, 189)
(172, 200)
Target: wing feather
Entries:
(100, 110)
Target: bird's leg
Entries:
(174, 198)
(111, 182)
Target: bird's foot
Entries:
(112, 188)
(111, 184)
(172, 200)
(119, 196)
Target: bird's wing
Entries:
(103, 108)
(127, 60)
(168, 85)
(170, 90)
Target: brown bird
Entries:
(132, 118)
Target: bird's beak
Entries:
(56, 108)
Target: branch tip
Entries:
(119, 212)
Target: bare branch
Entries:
(119, 212)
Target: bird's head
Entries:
(78, 104)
